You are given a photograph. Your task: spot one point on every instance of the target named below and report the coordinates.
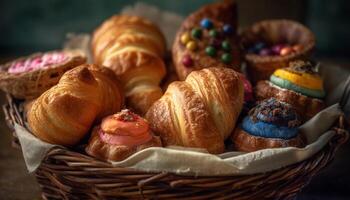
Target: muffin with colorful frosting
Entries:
(298, 85)
(271, 124)
(121, 135)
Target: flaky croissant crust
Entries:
(64, 114)
(199, 112)
(133, 48)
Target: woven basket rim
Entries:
(67, 174)
(74, 55)
(276, 59)
(338, 139)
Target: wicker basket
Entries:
(274, 32)
(66, 174)
(29, 85)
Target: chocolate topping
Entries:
(127, 116)
(275, 112)
(302, 66)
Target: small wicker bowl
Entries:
(31, 84)
(274, 32)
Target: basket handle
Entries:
(346, 94)
(341, 134)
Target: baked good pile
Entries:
(122, 103)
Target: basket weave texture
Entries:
(275, 32)
(67, 174)
(29, 85)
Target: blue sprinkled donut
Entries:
(270, 124)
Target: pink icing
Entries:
(125, 128)
(39, 62)
(248, 88)
(124, 139)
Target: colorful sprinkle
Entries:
(297, 47)
(185, 38)
(265, 52)
(259, 46)
(213, 33)
(187, 61)
(280, 49)
(285, 51)
(211, 51)
(40, 62)
(191, 45)
(196, 33)
(227, 29)
(226, 58)
(206, 23)
(276, 49)
(226, 45)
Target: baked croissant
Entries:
(199, 112)
(133, 48)
(64, 113)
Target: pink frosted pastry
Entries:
(121, 135)
(28, 77)
(42, 61)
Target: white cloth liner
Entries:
(189, 161)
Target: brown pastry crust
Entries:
(220, 13)
(305, 106)
(105, 151)
(64, 113)
(133, 48)
(246, 142)
(199, 112)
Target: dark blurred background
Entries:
(37, 25)
(27, 26)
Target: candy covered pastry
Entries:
(271, 124)
(298, 85)
(207, 38)
(28, 77)
(121, 135)
(271, 44)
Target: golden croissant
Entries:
(64, 114)
(199, 112)
(133, 48)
